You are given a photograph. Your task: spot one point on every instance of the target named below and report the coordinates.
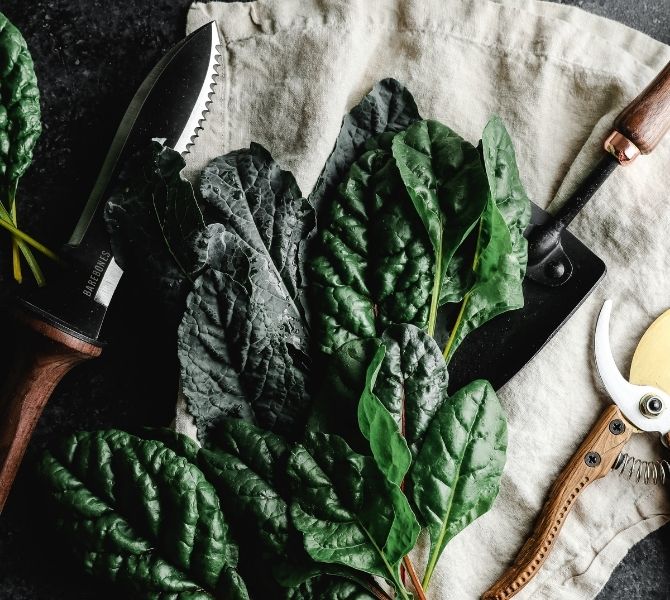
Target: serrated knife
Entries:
(63, 321)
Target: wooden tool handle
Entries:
(646, 119)
(593, 460)
(45, 354)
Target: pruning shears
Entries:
(641, 404)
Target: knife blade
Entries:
(169, 104)
(63, 321)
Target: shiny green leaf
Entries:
(247, 467)
(347, 510)
(498, 278)
(456, 475)
(411, 384)
(389, 108)
(329, 588)
(377, 425)
(447, 183)
(505, 185)
(20, 116)
(142, 517)
(372, 265)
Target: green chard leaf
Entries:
(348, 511)
(497, 276)
(388, 108)
(20, 128)
(330, 588)
(20, 116)
(446, 181)
(156, 228)
(456, 475)
(141, 517)
(377, 425)
(372, 265)
(508, 196)
(411, 384)
(250, 195)
(243, 341)
(247, 466)
(505, 184)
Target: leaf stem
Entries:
(16, 258)
(376, 590)
(435, 295)
(454, 330)
(407, 561)
(6, 222)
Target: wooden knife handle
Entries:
(44, 355)
(593, 460)
(646, 119)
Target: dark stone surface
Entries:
(90, 57)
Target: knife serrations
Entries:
(172, 104)
(201, 108)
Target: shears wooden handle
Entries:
(593, 460)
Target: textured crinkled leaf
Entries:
(20, 116)
(505, 184)
(389, 107)
(497, 276)
(348, 512)
(243, 343)
(411, 384)
(156, 227)
(246, 465)
(248, 193)
(446, 181)
(142, 517)
(329, 588)
(377, 425)
(243, 339)
(456, 475)
(372, 265)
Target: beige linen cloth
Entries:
(558, 77)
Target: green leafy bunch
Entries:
(309, 365)
(20, 128)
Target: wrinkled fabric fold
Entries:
(557, 76)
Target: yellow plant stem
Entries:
(16, 258)
(6, 222)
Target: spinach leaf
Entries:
(247, 466)
(389, 107)
(446, 181)
(377, 425)
(411, 384)
(20, 116)
(497, 254)
(20, 128)
(243, 340)
(373, 264)
(142, 517)
(243, 343)
(156, 228)
(248, 193)
(505, 185)
(456, 475)
(347, 510)
(497, 275)
(329, 588)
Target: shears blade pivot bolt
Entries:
(651, 406)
